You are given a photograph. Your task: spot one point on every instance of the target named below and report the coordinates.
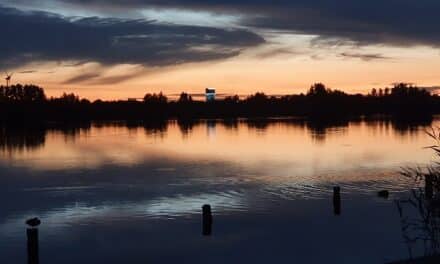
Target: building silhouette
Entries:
(210, 94)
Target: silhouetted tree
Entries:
(405, 90)
(155, 98)
(257, 98)
(20, 93)
(232, 99)
(67, 98)
(318, 89)
(185, 98)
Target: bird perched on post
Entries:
(33, 222)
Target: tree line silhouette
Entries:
(29, 102)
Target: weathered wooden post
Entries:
(337, 200)
(384, 194)
(207, 220)
(429, 186)
(32, 240)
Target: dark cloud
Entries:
(34, 36)
(81, 78)
(365, 56)
(391, 22)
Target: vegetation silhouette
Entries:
(29, 102)
(420, 211)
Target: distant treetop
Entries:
(22, 93)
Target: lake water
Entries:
(132, 193)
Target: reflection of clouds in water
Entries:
(184, 205)
(282, 142)
(319, 185)
(111, 178)
(109, 212)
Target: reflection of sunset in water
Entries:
(262, 176)
(279, 148)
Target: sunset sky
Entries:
(126, 48)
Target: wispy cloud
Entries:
(365, 56)
(81, 78)
(274, 52)
(114, 79)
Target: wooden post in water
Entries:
(207, 220)
(337, 200)
(429, 186)
(32, 240)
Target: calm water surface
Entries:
(118, 193)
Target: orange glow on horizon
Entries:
(242, 75)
